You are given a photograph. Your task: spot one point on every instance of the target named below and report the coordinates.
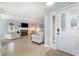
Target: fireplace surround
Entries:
(23, 32)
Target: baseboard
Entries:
(65, 52)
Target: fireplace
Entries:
(24, 29)
(24, 32)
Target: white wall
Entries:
(68, 40)
(47, 30)
(3, 27)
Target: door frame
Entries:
(53, 40)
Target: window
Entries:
(63, 18)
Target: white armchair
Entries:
(38, 37)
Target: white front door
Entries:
(62, 26)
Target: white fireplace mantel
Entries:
(23, 29)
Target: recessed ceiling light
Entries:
(50, 3)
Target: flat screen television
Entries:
(24, 25)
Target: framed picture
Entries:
(73, 22)
(11, 27)
(74, 18)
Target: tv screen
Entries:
(24, 25)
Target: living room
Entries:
(19, 24)
(39, 28)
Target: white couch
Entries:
(11, 36)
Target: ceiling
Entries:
(30, 11)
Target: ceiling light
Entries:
(50, 3)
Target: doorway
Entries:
(54, 43)
(53, 29)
